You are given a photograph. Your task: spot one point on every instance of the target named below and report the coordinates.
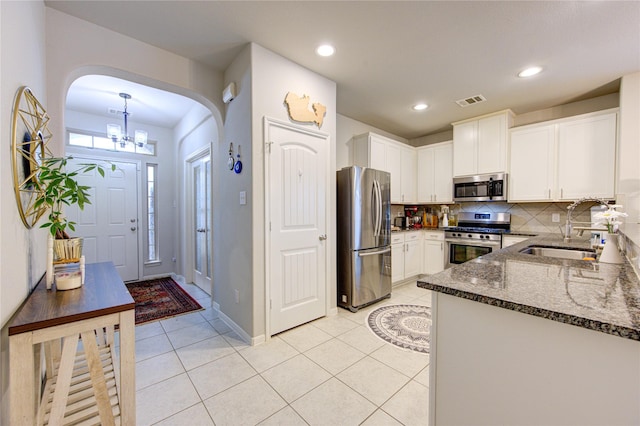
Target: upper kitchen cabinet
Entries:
(379, 152)
(564, 160)
(587, 157)
(435, 173)
(532, 164)
(480, 144)
(409, 160)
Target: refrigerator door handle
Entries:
(380, 217)
(375, 208)
(374, 253)
(378, 192)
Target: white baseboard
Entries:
(156, 276)
(178, 278)
(237, 329)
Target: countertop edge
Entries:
(590, 324)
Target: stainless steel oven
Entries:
(477, 234)
(464, 246)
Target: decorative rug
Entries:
(406, 326)
(160, 298)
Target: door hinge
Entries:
(269, 226)
(268, 144)
(270, 304)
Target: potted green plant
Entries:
(59, 187)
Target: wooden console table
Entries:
(75, 331)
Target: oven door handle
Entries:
(473, 242)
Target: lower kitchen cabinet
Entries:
(397, 257)
(433, 252)
(412, 254)
(406, 255)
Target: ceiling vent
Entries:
(471, 101)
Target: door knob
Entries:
(322, 237)
(133, 228)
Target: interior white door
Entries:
(201, 174)
(109, 225)
(297, 165)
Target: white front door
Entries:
(297, 165)
(109, 225)
(201, 190)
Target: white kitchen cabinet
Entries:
(433, 261)
(532, 164)
(397, 257)
(480, 144)
(435, 173)
(587, 156)
(394, 167)
(370, 150)
(406, 255)
(408, 182)
(412, 254)
(564, 159)
(381, 153)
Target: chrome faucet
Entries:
(568, 226)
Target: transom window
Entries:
(100, 142)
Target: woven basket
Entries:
(67, 250)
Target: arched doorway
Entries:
(158, 224)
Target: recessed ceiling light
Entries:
(420, 106)
(529, 72)
(325, 50)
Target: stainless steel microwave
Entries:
(490, 187)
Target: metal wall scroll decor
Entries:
(29, 138)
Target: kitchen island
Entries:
(525, 339)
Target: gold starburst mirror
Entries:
(29, 138)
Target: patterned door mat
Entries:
(406, 326)
(160, 299)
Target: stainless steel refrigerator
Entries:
(364, 236)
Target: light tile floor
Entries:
(194, 370)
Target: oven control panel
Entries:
(472, 236)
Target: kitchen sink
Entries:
(560, 253)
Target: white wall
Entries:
(196, 131)
(47, 50)
(232, 264)
(22, 252)
(273, 77)
(72, 51)
(263, 80)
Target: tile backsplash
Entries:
(525, 217)
(533, 217)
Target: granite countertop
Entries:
(598, 296)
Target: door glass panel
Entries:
(207, 181)
(199, 205)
